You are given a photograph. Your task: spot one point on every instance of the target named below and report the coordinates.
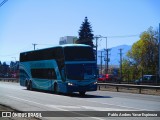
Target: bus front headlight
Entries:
(95, 83)
(70, 84)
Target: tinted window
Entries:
(45, 54)
(43, 73)
(75, 72)
(79, 54)
(80, 71)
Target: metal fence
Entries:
(10, 79)
(118, 86)
(101, 86)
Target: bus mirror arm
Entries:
(63, 75)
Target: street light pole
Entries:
(96, 46)
(106, 60)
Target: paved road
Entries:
(18, 97)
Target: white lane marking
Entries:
(50, 105)
(88, 107)
(32, 102)
(128, 108)
(62, 106)
(103, 109)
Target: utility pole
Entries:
(101, 61)
(107, 60)
(34, 45)
(159, 51)
(120, 62)
(96, 54)
(96, 46)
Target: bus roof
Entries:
(70, 45)
(63, 46)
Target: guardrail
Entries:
(117, 86)
(9, 79)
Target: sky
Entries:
(42, 22)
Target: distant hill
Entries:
(114, 54)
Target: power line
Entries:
(34, 44)
(123, 36)
(3, 2)
(46, 44)
(19, 51)
(9, 54)
(16, 52)
(120, 36)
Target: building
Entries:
(67, 40)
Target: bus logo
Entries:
(6, 114)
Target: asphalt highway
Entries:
(17, 97)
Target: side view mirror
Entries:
(63, 75)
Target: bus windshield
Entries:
(79, 54)
(80, 71)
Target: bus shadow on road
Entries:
(87, 95)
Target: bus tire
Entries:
(27, 85)
(30, 85)
(55, 88)
(82, 93)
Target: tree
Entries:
(144, 53)
(130, 70)
(12, 66)
(5, 68)
(0, 68)
(85, 34)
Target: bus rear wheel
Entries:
(29, 85)
(82, 93)
(56, 89)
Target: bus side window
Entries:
(49, 74)
(44, 73)
(54, 76)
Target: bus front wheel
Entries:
(82, 93)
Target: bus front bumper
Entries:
(79, 88)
